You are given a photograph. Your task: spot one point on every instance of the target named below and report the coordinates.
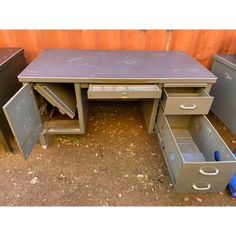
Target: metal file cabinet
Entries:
(11, 64)
(224, 91)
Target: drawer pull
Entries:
(194, 106)
(200, 189)
(216, 172)
(124, 95)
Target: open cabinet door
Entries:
(23, 117)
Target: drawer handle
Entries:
(194, 106)
(124, 95)
(201, 171)
(200, 189)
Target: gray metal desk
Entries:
(85, 68)
(169, 80)
(11, 64)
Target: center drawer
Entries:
(108, 91)
(189, 144)
(186, 101)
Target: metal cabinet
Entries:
(12, 62)
(224, 91)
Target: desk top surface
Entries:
(91, 66)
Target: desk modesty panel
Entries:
(99, 66)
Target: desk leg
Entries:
(6, 143)
(82, 106)
(43, 141)
(149, 108)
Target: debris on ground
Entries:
(199, 199)
(34, 180)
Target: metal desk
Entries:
(97, 75)
(173, 90)
(11, 64)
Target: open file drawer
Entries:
(186, 101)
(189, 144)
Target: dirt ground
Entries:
(116, 163)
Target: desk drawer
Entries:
(202, 186)
(186, 101)
(189, 144)
(106, 91)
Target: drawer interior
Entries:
(197, 140)
(187, 146)
(186, 92)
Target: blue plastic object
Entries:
(217, 155)
(232, 183)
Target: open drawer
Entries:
(109, 91)
(189, 144)
(186, 101)
(197, 186)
